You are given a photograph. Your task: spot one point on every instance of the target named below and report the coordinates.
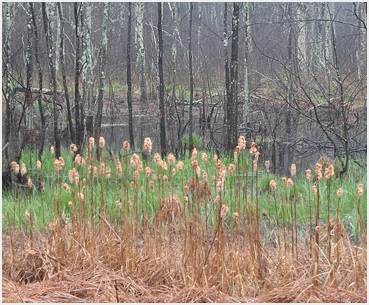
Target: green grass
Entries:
(114, 189)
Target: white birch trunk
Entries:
(246, 73)
(141, 57)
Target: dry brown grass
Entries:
(82, 271)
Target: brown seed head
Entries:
(38, 165)
(134, 160)
(284, 179)
(194, 164)
(28, 216)
(339, 193)
(70, 203)
(151, 185)
(215, 159)
(153, 176)
(198, 171)
(315, 190)
(57, 165)
(224, 211)
(72, 148)
(119, 204)
(62, 163)
(119, 169)
(147, 172)
(204, 157)
(165, 178)
(267, 165)
(29, 182)
(293, 169)
(15, 166)
(255, 165)
(133, 185)
(52, 149)
(185, 189)
(91, 143)
(126, 146)
(242, 142)
(81, 197)
(289, 183)
(257, 155)
(83, 162)
(204, 176)
(101, 142)
(148, 144)
(136, 175)
(171, 159)
(253, 149)
(65, 187)
(164, 166)
(185, 199)
(71, 176)
(180, 166)
(23, 169)
(231, 168)
(360, 190)
(236, 215)
(217, 199)
(78, 159)
(273, 185)
(95, 171)
(308, 174)
(237, 150)
(318, 167)
(319, 175)
(102, 169)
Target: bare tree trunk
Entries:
(104, 47)
(227, 81)
(77, 11)
(129, 80)
(161, 84)
(29, 71)
(61, 55)
(190, 119)
(290, 86)
(87, 73)
(247, 47)
(234, 76)
(50, 50)
(40, 78)
(141, 50)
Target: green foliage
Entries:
(197, 141)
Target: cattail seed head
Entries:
(78, 159)
(43, 186)
(15, 166)
(204, 157)
(198, 171)
(119, 169)
(284, 179)
(28, 216)
(134, 160)
(171, 159)
(235, 156)
(213, 177)
(224, 211)
(75, 176)
(38, 165)
(65, 187)
(194, 164)
(179, 166)
(126, 146)
(360, 190)
(91, 143)
(72, 148)
(217, 199)
(329, 172)
(23, 169)
(151, 185)
(153, 176)
(339, 193)
(185, 189)
(308, 174)
(90, 169)
(231, 168)
(194, 154)
(95, 171)
(215, 159)
(148, 145)
(133, 185)
(147, 172)
(165, 178)
(242, 142)
(315, 190)
(71, 176)
(101, 142)
(257, 155)
(273, 185)
(119, 204)
(57, 165)
(293, 169)
(70, 203)
(164, 165)
(81, 197)
(318, 167)
(319, 175)
(289, 183)
(62, 163)
(238, 150)
(83, 162)
(52, 149)
(29, 182)
(236, 215)
(185, 199)
(255, 165)
(253, 149)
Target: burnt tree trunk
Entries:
(163, 143)
(129, 78)
(190, 119)
(50, 50)
(61, 55)
(77, 74)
